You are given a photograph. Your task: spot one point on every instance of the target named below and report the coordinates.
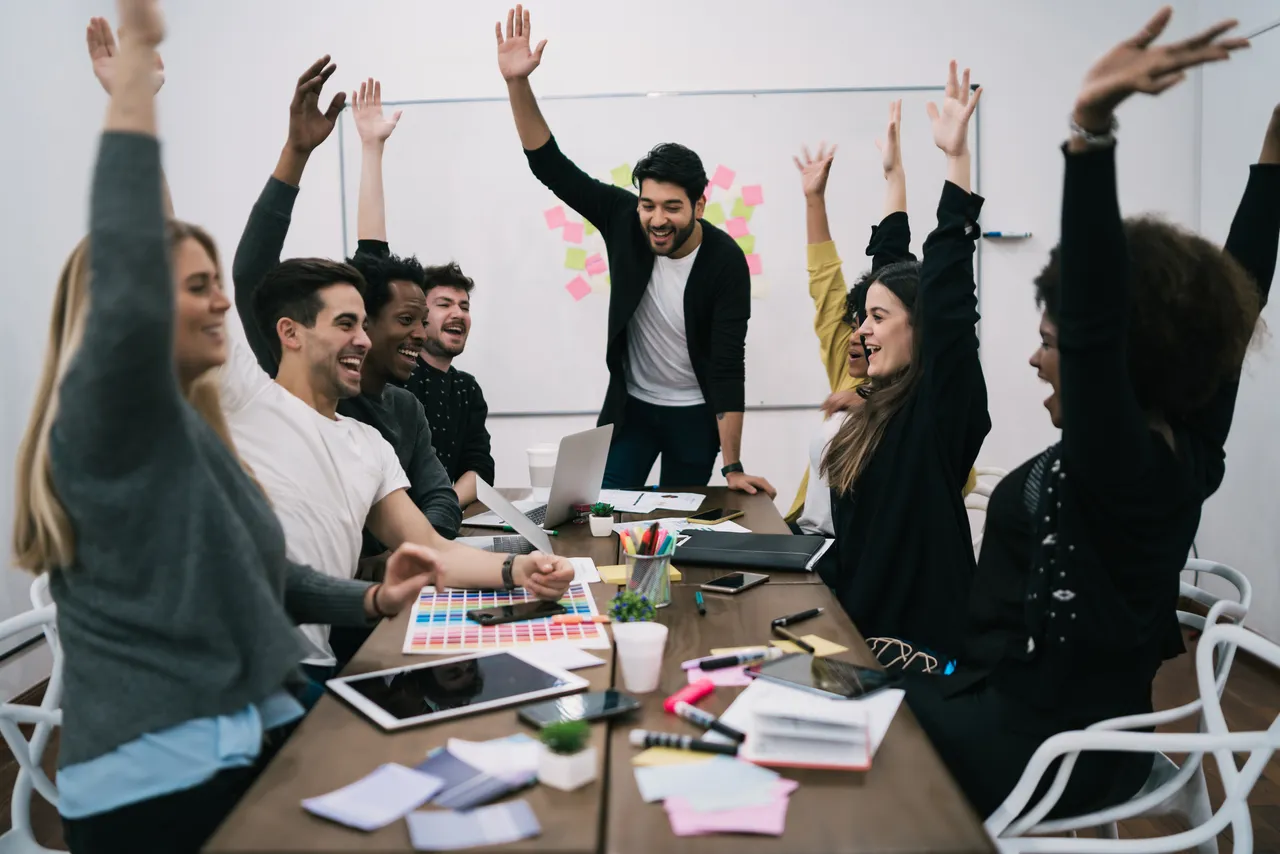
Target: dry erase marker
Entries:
(706, 720)
(737, 658)
(1017, 235)
(795, 618)
(645, 738)
(697, 600)
(781, 632)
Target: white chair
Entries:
(978, 499)
(29, 754)
(1170, 788)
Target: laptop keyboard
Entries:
(512, 545)
(538, 515)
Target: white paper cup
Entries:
(639, 647)
(542, 464)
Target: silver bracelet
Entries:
(1094, 140)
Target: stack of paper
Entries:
(388, 793)
(719, 795)
(767, 820)
(447, 830)
(481, 771)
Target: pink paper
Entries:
(723, 677)
(736, 227)
(555, 217)
(752, 196)
(578, 288)
(573, 232)
(596, 265)
(754, 265)
(723, 177)
(706, 194)
(770, 820)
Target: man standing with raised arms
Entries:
(681, 298)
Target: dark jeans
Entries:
(176, 823)
(686, 437)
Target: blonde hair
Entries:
(42, 533)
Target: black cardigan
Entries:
(1073, 604)
(717, 298)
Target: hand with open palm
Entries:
(815, 170)
(308, 127)
(1136, 65)
(366, 108)
(890, 150)
(951, 123)
(515, 60)
(103, 53)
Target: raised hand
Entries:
(890, 151)
(1271, 143)
(515, 60)
(366, 109)
(1135, 65)
(103, 51)
(308, 127)
(814, 170)
(546, 576)
(951, 123)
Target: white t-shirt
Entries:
(816, 518)
(659, 370)
(322, 475)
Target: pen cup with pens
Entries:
(647, 553)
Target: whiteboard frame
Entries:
(829, 90)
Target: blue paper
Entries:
(727, 782)
(447, 830)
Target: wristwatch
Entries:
(731, 468)
(508, 564)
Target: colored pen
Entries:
(1007, 234)
(511, 530)
(795, 618)
(783, 633)
(653, 539)
(697, 600)
(578, 619)
(706, 720)
(753, 657)
(645, 738)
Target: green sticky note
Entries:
(622, 175)
(747, 242)
(714, 214)
(740, 209)
(575, 259)
(588, 227)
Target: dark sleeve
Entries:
(120, 394)
(1105, 434)
(728, 375)
(429, 484)
(376, 248)
(313, 597)
(476, 454)
(595, 200)
(890, 241)
(1255, 233)
(258, 252)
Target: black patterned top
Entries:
(456, 410)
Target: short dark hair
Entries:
(447, 276)
(1194, 311)
(673, 163)
(292, 290)
(380, 271)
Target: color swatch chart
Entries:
(439, 622)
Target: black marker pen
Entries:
(644, 738)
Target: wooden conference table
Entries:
(907, 802)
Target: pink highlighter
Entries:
(690, 694)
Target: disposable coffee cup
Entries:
(639, 648)
(542, 464)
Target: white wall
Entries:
(232, 65)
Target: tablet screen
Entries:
(433, 688)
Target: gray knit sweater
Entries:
(180, 603)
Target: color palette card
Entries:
(390, 792)
(447, 830)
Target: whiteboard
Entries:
(458, 187)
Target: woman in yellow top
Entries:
(839, 311)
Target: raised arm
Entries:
(374, 130)
(827, 287)
(594, 200)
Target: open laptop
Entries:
(579, 475)
(530, 536)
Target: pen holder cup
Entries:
(650, 576)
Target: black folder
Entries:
(794, 552)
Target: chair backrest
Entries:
(1220, 608)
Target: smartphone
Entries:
(515, 613)
(714, 516)
(734, 582)
(579, 707)
(825, 676)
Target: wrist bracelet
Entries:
(377, 609)
(731, 469)
(507, 566)
(1091, 139)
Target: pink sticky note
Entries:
(596, 265)
(737, 226)
(767, 820)
(723, 177)
(722, 677)
(752, 196)
(706, 194)
(578, 288)
(555, 217)
(573, 232)
(754, 265)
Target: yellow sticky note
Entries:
(618, 574)
(588, 227)
(714, 214)
(820, 646)
(668, 756)
(741, 209)
(622, 175)
(575, 259)
(747, 242)
(734, 650)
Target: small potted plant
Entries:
(639, 640)
(601, 519)
(566, 763)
